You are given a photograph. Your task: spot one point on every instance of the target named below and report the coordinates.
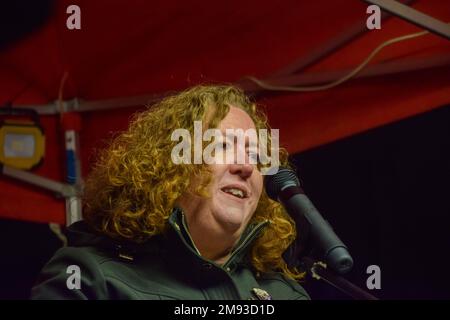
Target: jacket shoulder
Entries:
(72, 273)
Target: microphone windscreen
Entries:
(275, 183)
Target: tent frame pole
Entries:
(404, 65)
(328, 48)
(414, 16)
(62, 189)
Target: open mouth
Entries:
(236, 192)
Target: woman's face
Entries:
(234, 192)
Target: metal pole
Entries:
(414, 16)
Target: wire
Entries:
(60, 94)
(268, 86)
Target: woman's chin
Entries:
(231, 220)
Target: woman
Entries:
(156, 229)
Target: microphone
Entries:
(284, 187)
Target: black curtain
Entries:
(24, 247)
(386, 193)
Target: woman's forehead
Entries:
(237, 119)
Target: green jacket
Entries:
(165, 267)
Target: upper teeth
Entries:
(236, 192)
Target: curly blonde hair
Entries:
(133, 187)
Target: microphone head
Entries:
(275, 183)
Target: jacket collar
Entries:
(176, 245)
(178, 223)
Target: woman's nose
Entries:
(243, 170)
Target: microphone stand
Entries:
(318, 271)
(283, 186)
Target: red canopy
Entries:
(135, 48)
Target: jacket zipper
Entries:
(246, 240)
(189, 235)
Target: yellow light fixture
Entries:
(22, 142)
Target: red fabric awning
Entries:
(129, 48)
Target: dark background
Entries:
(385, 192)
